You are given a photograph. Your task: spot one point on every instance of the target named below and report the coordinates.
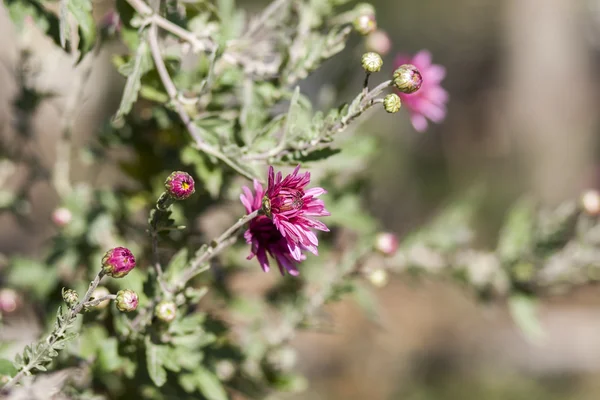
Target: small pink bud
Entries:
(127, 300)
(379, 42)
(165, 311)
(407, 78)
(9, 300)
(61, 217)
(180, 185)
(386, 243)
(118, 262)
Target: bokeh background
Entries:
(523, 78)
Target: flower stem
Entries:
(196, 266)
(59, 332)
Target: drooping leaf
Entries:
(209, 385)
(155, 361)
(524, 312)
(134, 70)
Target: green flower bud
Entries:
(70, 297)
(165, 311)
(392, 103)
(127, 300)
(365, 21)
(407, 78)
(371, 62)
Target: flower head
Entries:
(429, 102)
(9, 300)
(118, 262)
(386, 243)
(287, 228)
(127, 300)
(180, 185)
(371, 62)
(166, 311)
(70, 296)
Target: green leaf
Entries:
(176, 265)
(516, 236)
(209, 385)
(317, 155)
(82, 12)
(367, 302)
(155, 355)
(34, 277)
(44, 20)
(7, 367)
(108, 355)
(134, 69)
(524, 312)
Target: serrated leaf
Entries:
(18, 363)
(108, 355)
(155, 362)
(82, 13)
(141, 64)
(209, 385)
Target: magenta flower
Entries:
(180, 185)
(292, 209)
(118, 262)
(286, 229)
(429, 102)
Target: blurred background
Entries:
(522, 118)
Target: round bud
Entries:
(61, 216)
(225, 370)
(127, 300)
(365, 21)
(386, 243)
(9, 300)
(371, 62)
(165, 311)
(392, 103)
(99, 293)
(118, 262)
(180, 185)
(379, 42)
(70, 297)
(407, 78)
(590, 201)
(379, 277)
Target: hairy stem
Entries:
(58, 333)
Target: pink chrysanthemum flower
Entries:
(286, 229)
(180, 185)
(429, 102)
(118, 262)
(292, 209)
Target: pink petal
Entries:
(419, 122)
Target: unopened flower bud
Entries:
(590, 201)
(99, 293)
(180, 185)
(127, 300)
(365, 21)
(371, 62)
(70, 297)
(407, 78)
(386, 243)
(4, 379)
(118, 262)
(9, 300)
(379, 42)
(61, 216)
(225, 370)
(379, 277)
(392, 103)
(165, 311)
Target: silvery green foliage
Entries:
(214, 91)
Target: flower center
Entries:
(288, 200)
(185, 185)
